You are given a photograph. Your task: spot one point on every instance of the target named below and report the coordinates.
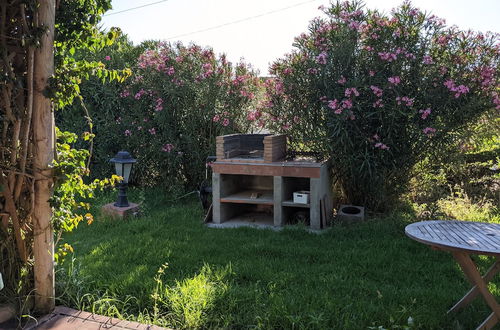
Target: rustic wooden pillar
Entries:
(43, 152)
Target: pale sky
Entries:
(261, 40)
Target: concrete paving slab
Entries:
(64, 318)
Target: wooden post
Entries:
(43, 153)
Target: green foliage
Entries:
(463, 182)
(379, 93)
(100, 103)
(71, 192)
(76, 26)
(461, 207)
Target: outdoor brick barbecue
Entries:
(253, 183)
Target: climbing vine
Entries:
(21, 35)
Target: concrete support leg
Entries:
(315, 212)
(216, 207)
(279, 220)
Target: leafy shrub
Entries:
(169, 112)
(470, 165)
(100, 99)
(178, 101)
(379, 93)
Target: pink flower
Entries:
(425, 113)
(427, 60)
(461, 89)
(216, 118)
(458, 90)
(342, 80)
(254, 115)
(312, 70)
(107, 58)
(443, 40)
(333, 104)
(170, 71)
(350, 91)
(414, 12)
(376, 90)
(382, 146)
(410, 55)
(487, 76)
(429, 130)
(152, 131)
(225, 122)
(394, 80)
(496, 100)
(378, 104)
(159, 104)
(408, 101)
(371, 73)
(449, 83)
(139, 94)
(321, 58)
(125, 93)
(127, 132)
(285, 127)
(346, 104)
(388, 56)
(296, 119)
(354, 25)
(167, 147)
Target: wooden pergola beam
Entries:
(43, 151)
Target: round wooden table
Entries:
(463, 238)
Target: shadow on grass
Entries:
(352, 277)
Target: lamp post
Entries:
(123, 165)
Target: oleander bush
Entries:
(169, 112)
(378, 93)
(179, 100)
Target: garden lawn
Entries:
(354, 277)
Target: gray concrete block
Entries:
(350, 214)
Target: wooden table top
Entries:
(474, 237)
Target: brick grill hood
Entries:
(254, 147)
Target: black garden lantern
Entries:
(123, 165)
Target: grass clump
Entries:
(189, 300)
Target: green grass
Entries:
(355, 277)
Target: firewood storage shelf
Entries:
(245, 190)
